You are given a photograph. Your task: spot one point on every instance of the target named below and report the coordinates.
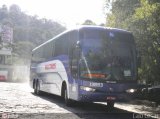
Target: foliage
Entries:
(142, 18)
(28, 31)
(88, 22)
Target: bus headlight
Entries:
(88, 89)
(131, 90)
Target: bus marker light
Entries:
(131, 90)
(88, 89)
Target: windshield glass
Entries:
(107, 55)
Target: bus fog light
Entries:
(131, 90)
(87, 89)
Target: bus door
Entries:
(75, 71)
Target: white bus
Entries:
(88, 64)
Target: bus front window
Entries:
(94, 62)
(106, 59)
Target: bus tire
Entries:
(110, 104)
(68, 102)
(37, 88)
(34, 86)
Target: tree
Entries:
(15, 8)
(142, 18)
(146, 25)
(3, 12)
(28, 31)
(121, 12)
(88, 22)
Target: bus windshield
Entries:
(107, 55)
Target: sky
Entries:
(66, 12)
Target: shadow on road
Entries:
(90, 110)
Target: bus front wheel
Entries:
(110, 104)
(68, 102)
(37, 88)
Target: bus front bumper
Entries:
(104, 97)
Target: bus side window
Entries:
(48, 51)
(61, 45)
(53, 48)
(38, 55)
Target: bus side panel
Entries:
(51, 76)
(49, 81)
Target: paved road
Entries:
(18, 101)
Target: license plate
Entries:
(111, 98)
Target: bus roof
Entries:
(103, 28)
(83, 27)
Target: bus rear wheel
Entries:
(37, 88)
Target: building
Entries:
(6, 40)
